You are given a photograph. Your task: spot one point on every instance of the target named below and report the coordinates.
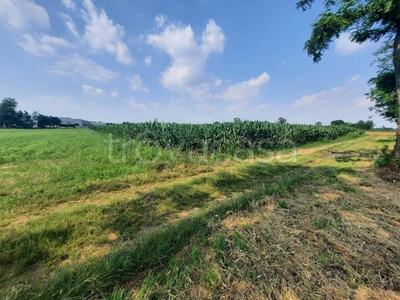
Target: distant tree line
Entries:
(365, 125)
(10, 117)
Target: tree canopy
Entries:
(10, 117)
(364, 20)
(338, 122)
(383, 86)
(282, 121)
(8, 113)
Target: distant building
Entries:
(79, 122)
(97, 123)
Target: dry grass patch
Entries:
(364, 293)
(237, 222)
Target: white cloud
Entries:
(344, 45)
(360, 103)
(213, 40)
(245, 90)
(160, 20)
(70, 4)
(147, 60)
(137, 84)
(218, 82)
(45, 44)
(317, 98)
(114, 93)
(79, 65)
(88, 89)
(70, 25)
(19, 14)
(188, 58)
(102, 34)
(346, 102)
(354, 79)
(137, 106)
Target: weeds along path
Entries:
(246, 213)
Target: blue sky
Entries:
(178, 60)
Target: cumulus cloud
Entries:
(102, 34)
(318, 98)
(246, 89)
(88, 89)
(188, 57)
(137, 84)
(218, 82)
(137, 106)
(79, 65)
(160, 20)
(42, 45)
(19, 14)
(213, 39)
(114, 93)
(147, 60)
(344, 45)
(70, 4)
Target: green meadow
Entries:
(89, 216)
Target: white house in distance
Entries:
(79, 122)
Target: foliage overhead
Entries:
(365, 20)
(383, 87)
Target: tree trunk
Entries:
(396, 62)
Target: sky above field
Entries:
(184, 61)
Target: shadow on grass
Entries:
(354, 156)
(388, 140)
(99, 276)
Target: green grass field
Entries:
(86, 219)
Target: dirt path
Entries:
(319, 148)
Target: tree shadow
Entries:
(154, 207)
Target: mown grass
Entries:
(336, 238)
(97, 241)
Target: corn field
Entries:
(225, 137)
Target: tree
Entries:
(24, 120)
(364, 125)
(365, 20)
(281, 121)
(318, 124)
(338, 122)
(8, 113)
(383, 86)
(44, 121)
